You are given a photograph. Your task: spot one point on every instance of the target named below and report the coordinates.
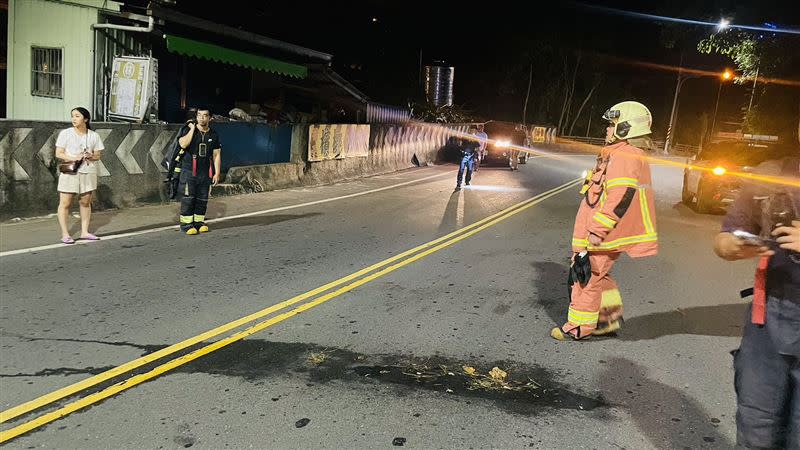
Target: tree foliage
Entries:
(770, 62)
(745, 52)
(427, 112)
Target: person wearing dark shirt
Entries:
(200, 168)
(469, 151)
(763, 223)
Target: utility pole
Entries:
(727, 75)
(753, 92)
(671, 127)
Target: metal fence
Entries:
(658, 146)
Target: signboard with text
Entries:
(132, 87)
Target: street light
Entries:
(723, 24)
(681, 80)
(727, 75)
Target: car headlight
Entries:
(719, 171)
(503, 144)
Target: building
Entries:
(50, 69)
(61, 53)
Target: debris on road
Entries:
(317, 358)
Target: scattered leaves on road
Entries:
(317, 358)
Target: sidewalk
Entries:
(44, 231)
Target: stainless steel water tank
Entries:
(439, 84)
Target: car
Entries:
(709, 180)
(502, 135)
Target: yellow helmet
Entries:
(630, 119)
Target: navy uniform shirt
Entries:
(204, 154)
(469, 147)
(783, 272)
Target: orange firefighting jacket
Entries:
(618, 204)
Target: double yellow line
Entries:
(375, 271)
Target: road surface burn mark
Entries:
(512, 386)
(65, 371)
(60, 371)
(523, 389)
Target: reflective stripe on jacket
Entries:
(618, 204)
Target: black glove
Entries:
(581, 269)
(171, 187)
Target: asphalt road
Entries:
(379, 355)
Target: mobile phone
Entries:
(749, 238)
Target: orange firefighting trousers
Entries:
(596, 301)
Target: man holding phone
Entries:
(201, 145)
(764, 223)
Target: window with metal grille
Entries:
(47, 72)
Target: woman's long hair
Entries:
(85, 113)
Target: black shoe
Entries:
(467, 183)
(458, 188)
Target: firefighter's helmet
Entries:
(630, 120)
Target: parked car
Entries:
(502, 135)
(708, 182)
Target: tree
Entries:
(427, 112)
(569, 89)
(766, 58)
(596, 83)
(740, 47)
(527, 97)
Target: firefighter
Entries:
(202, 146)
(616, 215)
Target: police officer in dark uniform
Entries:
(199, 168)
(469, 151)
(767, 363)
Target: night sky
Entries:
(377, 45)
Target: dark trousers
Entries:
(194, 201)
(767, 379)
(467, 162)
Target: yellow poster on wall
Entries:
(337, 141)
(538, 134)
(130, 88)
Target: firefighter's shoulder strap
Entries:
(586, 189)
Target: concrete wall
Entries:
(130, 172)
(391, 148)
(65, 25)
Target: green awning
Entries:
(213, 52)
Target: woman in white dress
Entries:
(79, 143)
